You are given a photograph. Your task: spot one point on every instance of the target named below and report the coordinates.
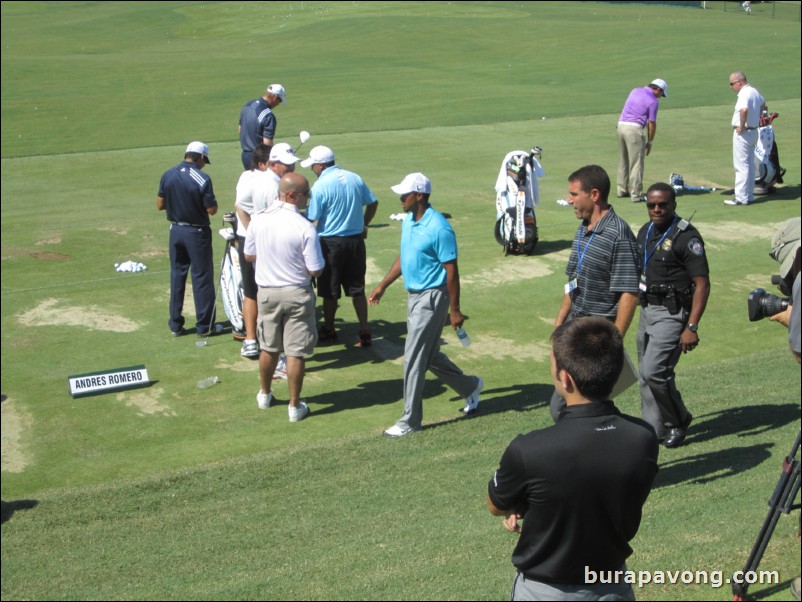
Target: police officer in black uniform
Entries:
(674, 288)
(187, 195)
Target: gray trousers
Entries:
(527, 589)
(426, 314)
(658, 354)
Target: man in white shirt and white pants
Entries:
(745, 122)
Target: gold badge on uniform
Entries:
(667, 245)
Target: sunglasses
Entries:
(656, 205)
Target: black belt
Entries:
(735, 127)
(191, 225)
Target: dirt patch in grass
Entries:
(735, 232)
(48, 241)
(50, 256)
(16, 424)
(147, 402)
(51, 312)
(499, 348)
(513, 269)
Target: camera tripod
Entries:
(782, 501)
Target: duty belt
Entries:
(652, 299)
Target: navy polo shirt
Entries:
(580, 486)
(256, 121)
(187, 193)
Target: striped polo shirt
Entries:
(605, 263)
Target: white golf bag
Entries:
(516, 198)
(231, 277)
(767, 160)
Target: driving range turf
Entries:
(170, 492)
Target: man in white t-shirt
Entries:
(286, 249)
(745, 122)
(256, 190)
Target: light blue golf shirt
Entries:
(426, 245)
(336, 202)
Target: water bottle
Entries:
(463, 337)
(206, 383)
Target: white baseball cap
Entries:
(661, 83)
(414, 182)
(200, 148)
(278, 90)
(319, 154)
(283, 153)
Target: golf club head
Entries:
(202, 343)
(303, 136)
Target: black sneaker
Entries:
(326, 335)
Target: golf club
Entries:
(304, 136)
(212, 325)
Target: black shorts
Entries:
(346, 262)
(248, 271)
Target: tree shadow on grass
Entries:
(544, 247)
(7, 509)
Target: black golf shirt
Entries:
(580, 486)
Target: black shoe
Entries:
(675, 437)
(178, 333)
(326, 335)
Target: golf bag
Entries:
(231, 276)
(767, 160)
(516, 199)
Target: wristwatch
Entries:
(693, 327)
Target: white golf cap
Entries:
(319, 154)
(283, 153)
(414, 182)
(200, 148)
(278, 90)
(661, 83)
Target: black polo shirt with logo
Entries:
(580, 486)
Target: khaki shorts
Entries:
(287, 320)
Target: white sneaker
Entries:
(472, 401)
(249, 349)
(734, 202)
(263, 399)
(298, 412)
(398, 431)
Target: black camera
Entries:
(762, 304)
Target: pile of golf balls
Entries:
(130, 266)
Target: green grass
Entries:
(174, 493)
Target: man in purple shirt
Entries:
(639, 114)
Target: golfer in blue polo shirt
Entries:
(428, 262)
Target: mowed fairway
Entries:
(170, 492)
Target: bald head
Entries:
(293, 188)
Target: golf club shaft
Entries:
(216, 296)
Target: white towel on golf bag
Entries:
(536, 170)
(130, 266)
